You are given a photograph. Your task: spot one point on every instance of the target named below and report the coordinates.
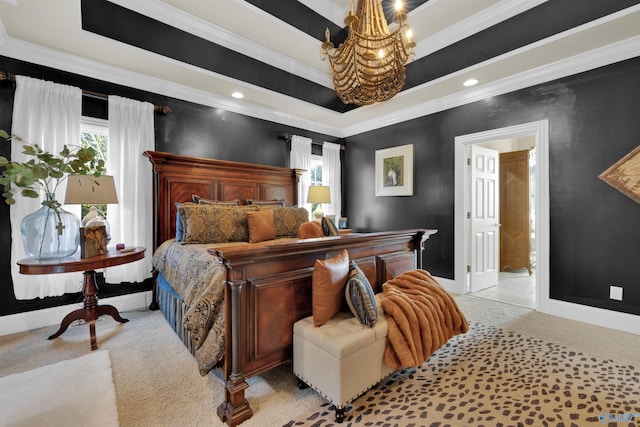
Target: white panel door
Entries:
(485, 218)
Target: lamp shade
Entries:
(319, 194)
(90, 190)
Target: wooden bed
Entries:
(268, 286)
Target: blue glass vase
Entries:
(50, 232)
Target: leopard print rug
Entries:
(490, 377)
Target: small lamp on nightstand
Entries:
(87, 189)
(319, 194)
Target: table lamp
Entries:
(319, 194)
(87, 189)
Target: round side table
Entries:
(91, 310)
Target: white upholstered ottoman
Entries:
(340, 359)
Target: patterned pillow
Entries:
(266, 202)
(199, 200)
(214, 224)
(260, 226)
(360, 297)
(329, 227)
(287, 220)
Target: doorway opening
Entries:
(512, 282)
(516, 257)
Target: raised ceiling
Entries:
(203, 50)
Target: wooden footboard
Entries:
(269, 289)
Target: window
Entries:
(316, 170)
(95, 133)
(315, 174)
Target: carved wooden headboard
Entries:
(176, 178)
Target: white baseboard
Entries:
(593, 315)
(582, 313)
(53, 316)
(448, 284)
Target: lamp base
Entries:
(94, 218)
(92, 214)
(318, 214)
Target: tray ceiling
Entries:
(202, 51)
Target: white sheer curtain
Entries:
(300, 158)
(131, 132)
(47, 114)
(331, 176)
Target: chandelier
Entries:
(369, 66)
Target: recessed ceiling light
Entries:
(237, 95)
(470, 82)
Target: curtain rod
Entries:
(288, 136)
(162, 109)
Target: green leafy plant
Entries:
(45, 171)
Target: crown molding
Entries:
(606, 55)
(474, 24)
(596, 58)
(186, 22)
(40, 55)
(328, 9)
(3, 32)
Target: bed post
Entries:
(154, 295)
(235, 408)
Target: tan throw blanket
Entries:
(422, 317)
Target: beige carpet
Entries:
(61, 394)
(157, 381)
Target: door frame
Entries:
(540, 130)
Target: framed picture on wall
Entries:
(394, 171)
(624, 175)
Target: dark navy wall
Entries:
(595, 230)
(191, 129)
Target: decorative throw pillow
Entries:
(266, 202)
(179, 227)
(199, 200)
(309, 230)
(260, 225)
(329, 227)
(214, 224)
(287, 220)
(327, 287)
(179, 223)
(360, 297)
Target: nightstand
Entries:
(91, 310)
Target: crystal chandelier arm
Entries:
(327, 46)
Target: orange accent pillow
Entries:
(328, 282)
(261, 226)
(309, 230)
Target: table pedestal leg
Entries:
(91, 310)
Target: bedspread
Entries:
(198, 277)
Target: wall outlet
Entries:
(615, 292)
